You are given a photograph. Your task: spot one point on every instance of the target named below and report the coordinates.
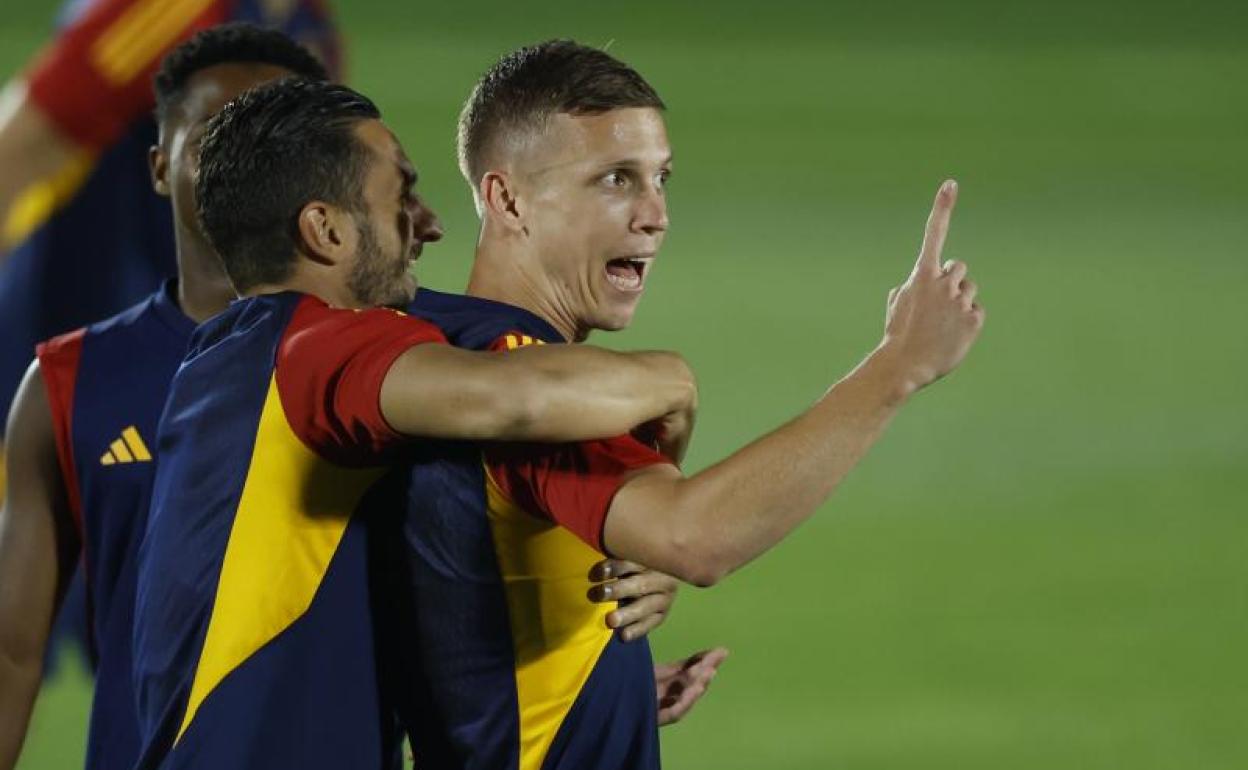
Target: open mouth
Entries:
(628, 273)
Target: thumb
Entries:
(937, 228)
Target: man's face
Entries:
(206, 93)
(594, 204)
(394, 225)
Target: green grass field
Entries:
(1043, 563)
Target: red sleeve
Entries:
(331, 364)
(58, 363)
(96, 76)
(570, 484)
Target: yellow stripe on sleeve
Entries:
(40, 200)
(138, 36)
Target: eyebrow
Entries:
(634, 163)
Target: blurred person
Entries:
(567, 154)
(253, 625)
(82, 235)
(80, 461)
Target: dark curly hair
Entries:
(238, 43)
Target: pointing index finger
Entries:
(937, 228)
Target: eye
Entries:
(664, 177)
(616, 178)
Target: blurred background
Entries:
(1043, 563)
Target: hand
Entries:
(670, 435)
(682, 683)
(645, 596)
(933, 318)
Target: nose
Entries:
(425, 224)
(650, 216)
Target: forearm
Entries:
(28, 586)
(721, 518)
(38, 544)
(31, 148)
(539, 393)
(583, 393)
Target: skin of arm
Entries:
(32, 148)
(701, 528)
(538, 393)
(38, 544)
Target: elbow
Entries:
(21, 663)
(698, 562)
(702, 575)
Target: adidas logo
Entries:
(127, 449)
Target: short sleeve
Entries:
(95, 77)
(570, 484)
(331, 364)
(58, 366)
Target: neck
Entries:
(501, 273)
(321, 281)
(203, 289)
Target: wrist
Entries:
(682, 383)
(887, 370)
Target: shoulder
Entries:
(479, 324)
(129, 321)
(314, 322)
(468, 322)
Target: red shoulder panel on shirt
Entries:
(570, 484)
(96, 76)
(58, 364)
(331, 364)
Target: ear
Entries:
(158, 166)
(327, 234)
(499, 201)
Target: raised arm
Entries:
(37, 547)
(538, 393)
(702, 527)
(32, 149)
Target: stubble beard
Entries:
(373, 281)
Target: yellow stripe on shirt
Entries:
(557, 633)
(293, 512)
(40, 200)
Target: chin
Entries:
(400, 296)
(614, 322)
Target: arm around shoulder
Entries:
(538, 393)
